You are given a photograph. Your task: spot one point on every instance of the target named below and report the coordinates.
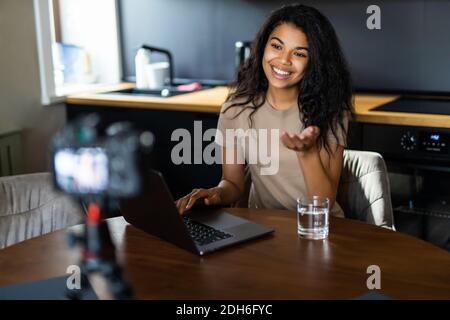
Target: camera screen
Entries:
(81, 171)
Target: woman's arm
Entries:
(321, 170)
(229, 190)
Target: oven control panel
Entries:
(433, 142)
(425, 141)
(406, 141)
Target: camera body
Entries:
(89, 160)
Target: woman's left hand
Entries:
(301, 142)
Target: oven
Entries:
(418, 161)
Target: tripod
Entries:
(98, 256)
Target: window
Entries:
(78, 46)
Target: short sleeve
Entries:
(340, 136)
(230, 119)
(226, 122)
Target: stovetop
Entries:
(415, 105)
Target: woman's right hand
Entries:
(210, 196)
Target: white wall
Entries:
(20, 101)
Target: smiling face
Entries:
(285, 56)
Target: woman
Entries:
(296, 80)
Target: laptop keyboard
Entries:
(203, 234)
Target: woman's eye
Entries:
(299, 54)
(276, 46)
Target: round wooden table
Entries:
(280, 266)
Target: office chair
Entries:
(29, 207)
(363, 192)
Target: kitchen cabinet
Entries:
(162, 123)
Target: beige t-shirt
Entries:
(277, 178)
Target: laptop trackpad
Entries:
(218, 219)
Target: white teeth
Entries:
(281, 72)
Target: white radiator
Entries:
(10, 153)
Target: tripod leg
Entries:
(77, 294)
(118, 286)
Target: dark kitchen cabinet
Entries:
(180, 178)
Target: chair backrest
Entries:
(364, 191)
(30, 207)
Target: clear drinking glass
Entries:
(312, 217)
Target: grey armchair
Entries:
(29, 207)
(364, 190)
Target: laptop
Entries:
(199, 231)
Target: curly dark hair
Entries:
(325, 89)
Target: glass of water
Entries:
(312, 217)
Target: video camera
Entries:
(99, 165)
(89, 160)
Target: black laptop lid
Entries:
(154, 212)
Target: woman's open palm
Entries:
(301, 142)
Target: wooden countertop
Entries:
(211, 100)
